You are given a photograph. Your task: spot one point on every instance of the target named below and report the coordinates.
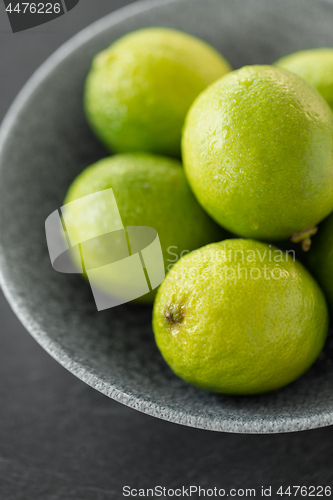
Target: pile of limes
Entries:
(237, 315)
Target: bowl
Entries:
(45, 142)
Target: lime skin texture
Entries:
(315, 66)
(139, 90)
(239, 317)
(258, 153)
(151, 191)
(320, 258)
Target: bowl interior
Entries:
(46, 142)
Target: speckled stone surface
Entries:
(45, 142)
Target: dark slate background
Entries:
(60, 439)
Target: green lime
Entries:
(320, 258)
(258, 153)
(138, 90)
(315, 66)
(239, 317)
(151, 191)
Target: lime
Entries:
(138, 90)
(151, 191)
(320, 258)
(239, 317)
(315, 66)
(258, 153)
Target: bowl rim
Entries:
(241, 425)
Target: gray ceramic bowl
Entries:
(45, 143)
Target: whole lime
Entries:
(315, 66)
(138, 91)
(320, 258)
(149, 190)
(258, 153)
(239, 317)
